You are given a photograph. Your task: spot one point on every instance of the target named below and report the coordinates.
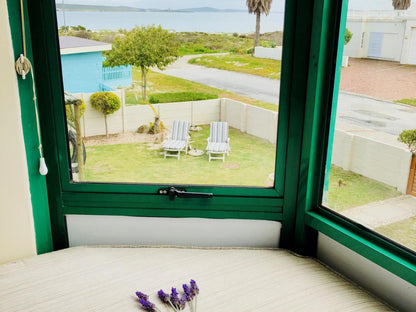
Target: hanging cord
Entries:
(23, 67)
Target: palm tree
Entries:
(400, 4)
(258, 7)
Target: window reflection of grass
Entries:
(348, 189)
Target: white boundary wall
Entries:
(372, 158)
(269, 53)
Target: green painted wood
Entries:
(38, 188)
(51, 109)
(174, 213)
(51, 93)
(325, 36)
(386, 254)
(298, 19)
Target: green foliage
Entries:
(411, 102)
(241, 63)
(144, 47)
(347, 36)
(70, 115)
(105, 102)
(408, 137)
(180, 97)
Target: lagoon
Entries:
(210, 22)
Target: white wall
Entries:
(392, 30)
(269, 53)
(17, 236)
(118, 230)
(380, 158)
(382, 283)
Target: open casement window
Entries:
(308, 71)
(228, 161)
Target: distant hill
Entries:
(209, 9)
(108, 8)
(96, 8)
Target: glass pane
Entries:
(371, 176)
(188, 102)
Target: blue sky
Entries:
(277, 5)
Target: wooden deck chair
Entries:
(177, 140)
(218, 141)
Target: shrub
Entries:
(70, 115)
(347, 36)
(180, 97)
(408, 137)
(105, 102)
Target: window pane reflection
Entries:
(371, 177)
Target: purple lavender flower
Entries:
(147, 305)
(141, 295)
(182, 301)
(194, 288)
(163, 296)
(174, 298)
(189, 294)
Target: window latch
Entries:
(173, 192)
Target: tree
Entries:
(258, 7)
(401, 4)
(144, 47)
(107, 103)
(408, 137)
(347, 36)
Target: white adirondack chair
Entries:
(218, 141)
(178, 139)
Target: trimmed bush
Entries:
(180, 97)
(408, 137)
(107, 103)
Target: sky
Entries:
(277, 5)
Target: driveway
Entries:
(363, 110)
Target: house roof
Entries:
(73, 45)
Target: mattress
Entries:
(229, 279)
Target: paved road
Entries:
(360, 110)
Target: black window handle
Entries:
(173, 192)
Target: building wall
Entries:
(375, 38)
(82, 72)
(17, 235)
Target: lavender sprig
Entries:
(146, 305)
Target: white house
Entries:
(385, 35)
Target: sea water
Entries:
(210, 22)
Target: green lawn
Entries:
(411, 102)
(160, 83)
(250, 161)
(403, 232)
(241, 63)
(348, 189)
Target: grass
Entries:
(160, 83)
(250, 161)
(403, 232)
(348, 189)
(246, 64)
(199, 42)
(411, 102)
(180, 97)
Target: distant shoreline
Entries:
(106, 8)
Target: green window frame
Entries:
(311, 57)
